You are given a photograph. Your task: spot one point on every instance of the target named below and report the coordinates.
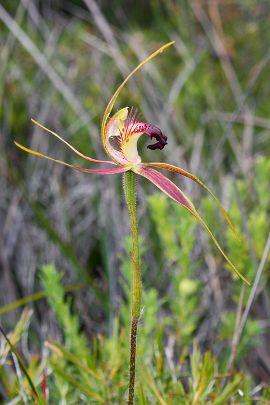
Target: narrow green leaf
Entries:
(33, 297)
(34, 390)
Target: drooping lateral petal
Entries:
(165, 185)
(183, 172)
(109, 170)
(89, 159)
(116, 94)
(169, 188)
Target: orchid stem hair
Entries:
(136, 289)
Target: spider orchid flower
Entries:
(120, 134)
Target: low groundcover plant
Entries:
(120, 135)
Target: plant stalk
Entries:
(136, 288)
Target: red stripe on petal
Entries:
(183, 172)
(167, 186)
(109, 170)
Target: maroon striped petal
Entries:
(109, 170)
(191, 176)
(167, 186)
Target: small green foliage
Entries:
(165, 225)
(251, 336)
(254, 203)
(26, 383)
(177, 239)
(69, 322)
(202, 375)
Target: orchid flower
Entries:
(120, 134)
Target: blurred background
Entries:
(64, 242)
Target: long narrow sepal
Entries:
(116, 94)
(109, 170)
(89, 159)
(191, 176)
(169, 188)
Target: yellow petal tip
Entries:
(25, 149)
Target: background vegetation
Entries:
(64, 245)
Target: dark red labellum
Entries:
(155, 132)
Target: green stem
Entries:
(136, 289)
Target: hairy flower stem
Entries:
(136, 289)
